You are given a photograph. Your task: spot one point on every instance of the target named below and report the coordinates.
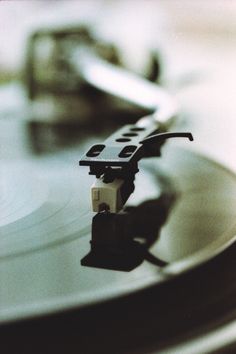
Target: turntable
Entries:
(144, 264)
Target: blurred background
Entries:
(187, 46)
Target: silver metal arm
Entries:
(124, 84)
(107, 195)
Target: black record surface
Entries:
(45, 231)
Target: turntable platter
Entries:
(45, 227)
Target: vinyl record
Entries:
(45, 227)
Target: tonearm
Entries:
(114, 162)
